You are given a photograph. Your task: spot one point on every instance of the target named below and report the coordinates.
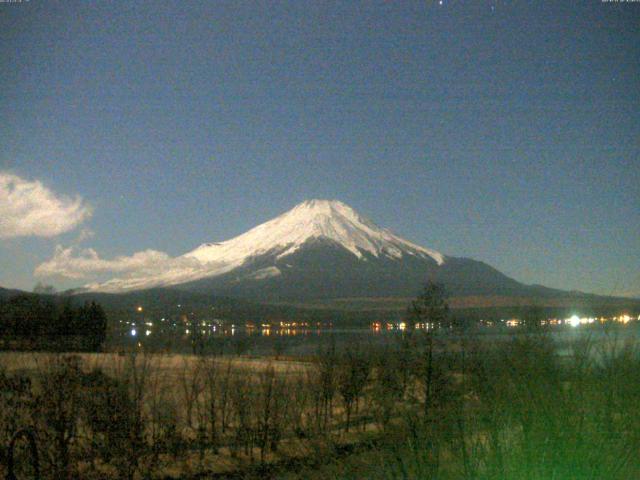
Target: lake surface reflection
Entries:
(307, 340)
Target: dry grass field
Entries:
(422, 407)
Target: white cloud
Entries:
(87, 263)
(28, 208)
(143, 269)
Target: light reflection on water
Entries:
(375, 328)
(300, 341)
(207, 330)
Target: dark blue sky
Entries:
(503, 131)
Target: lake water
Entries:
(307, 341)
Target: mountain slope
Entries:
(321, 268)
(322, 249)
(313, 219)
(277, 239)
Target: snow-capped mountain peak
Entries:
(310, 220)
(313, 219)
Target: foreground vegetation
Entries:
(426, 406)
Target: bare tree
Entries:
(192, 385)
(58, 407)
(388, 387)
(213, 380)
(326, 376)
(431, 310)
(224, 396)
(299, 396)
(269, 410)
(134, 373)
(241, 403)
(352, 375)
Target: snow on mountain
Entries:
(332, 220)
(282, 236)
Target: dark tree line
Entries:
(37, 320)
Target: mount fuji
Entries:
(321, 249)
